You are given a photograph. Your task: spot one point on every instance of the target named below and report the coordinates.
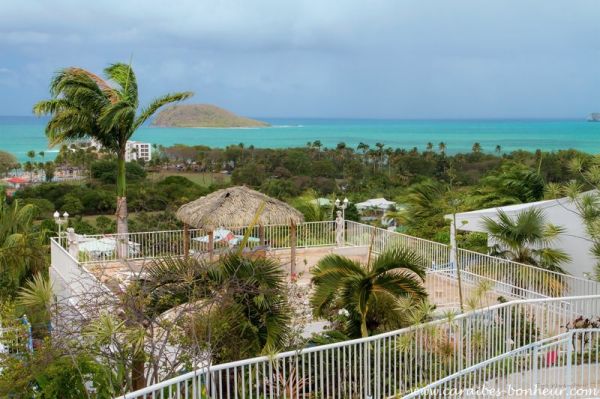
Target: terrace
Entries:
(80, 263)
(404, 362)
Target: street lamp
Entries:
(342, 206)
(60, 221)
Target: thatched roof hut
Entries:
(236, 207)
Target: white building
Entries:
(380, 204)
(560, 212)
(135, 150)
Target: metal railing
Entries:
(16, 338)
(156, 244)
(512, 279)
(384, 365)
(566, 365)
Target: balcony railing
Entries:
(506, 278)
(389, 364)
(385, 365)
(566, 365)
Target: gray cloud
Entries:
(410, 59)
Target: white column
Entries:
(73, 243)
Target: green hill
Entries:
(202, 115)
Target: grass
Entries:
(204, 179)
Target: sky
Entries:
(402, 59)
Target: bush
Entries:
(45, 207)
(106, 171)
(72, 205)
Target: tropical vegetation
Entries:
(366, 293)
(85, 106)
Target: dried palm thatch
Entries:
(236, 207)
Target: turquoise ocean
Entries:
(21, 134)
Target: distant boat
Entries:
(594, 117)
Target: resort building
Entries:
(135, 150)
(497, 323)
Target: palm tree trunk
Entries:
(363, 325)
(121, 213)
(138, 378)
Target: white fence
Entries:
(156, 244)
(512, 279)
(16, 338)
(385, 365)
(566, 365)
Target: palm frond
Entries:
(124, 76)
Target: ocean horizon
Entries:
(19, 134)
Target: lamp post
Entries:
(60, 221)
(342, 206)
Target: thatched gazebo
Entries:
(238, 207)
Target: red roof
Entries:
(17, 180)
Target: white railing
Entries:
(156, 244)
(384, 365)
(511, 279)
(566, 365)
(16, 338)
(71, 280)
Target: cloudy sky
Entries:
(319, 58)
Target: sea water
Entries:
(21, 134)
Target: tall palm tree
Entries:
(442, 147)
(527, 238)
(341, 281)
(476, 148)
(498, 148)
(83, 105)
(31, 156)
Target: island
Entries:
(594, 117)
(202, 115)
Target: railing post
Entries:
(569, 363)
(186, 240)
(211, 243)
(292, 247)
(535, 368)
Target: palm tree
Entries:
(498, 148)
(343, 282)
(309, 205)
(37, 298)
(442, 147)
(527, 238)
(476, 148)
(83, 105)
(362, 147)
(241, 306)
(31, 168)
(429, 147)
(22, 249)
(380, 152)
